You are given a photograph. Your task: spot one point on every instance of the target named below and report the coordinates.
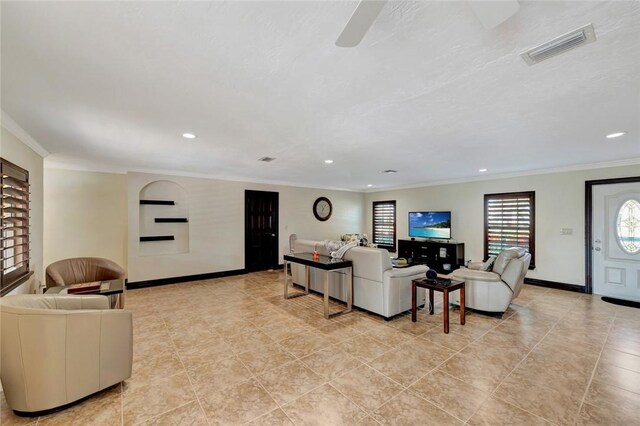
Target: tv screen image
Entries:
(430, 225)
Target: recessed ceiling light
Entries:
(189, 136)
(482, 170)
(369, 186)
(328, 161)
(616, 135)
(266, 159)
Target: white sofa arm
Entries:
(406, 272)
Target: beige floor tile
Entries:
(104, 408)
(364, 348)
(262, 359)
(211, 351)
(238, 404)
(186, 415)
(388, 335)
(9, 418)
(155, 368)
(366, 387)
(408, 362)
(331, 362)
(246, 341)
(542, 401)
(409, 409)
(620, 359)
(289, 381)
(146, 401)
(604, 395)
(305, 344)
(616, 376)
(495, 412)
(323, 406)
(276, 417)
(475, 371)
(218, 376)
(605, 416)
(339, 332)
(450, 340)
(450, 394)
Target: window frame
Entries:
(14, 195)
(531, 195)
(391, 248)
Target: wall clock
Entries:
(322, 209)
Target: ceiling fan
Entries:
(490, 13)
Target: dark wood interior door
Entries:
(261, 230)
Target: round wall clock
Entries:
(322, 208)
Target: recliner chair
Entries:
(493, 291)
(58, 349)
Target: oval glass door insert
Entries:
(628, 226)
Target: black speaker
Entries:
(432, 274)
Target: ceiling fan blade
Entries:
(493, 13)
(366, 12)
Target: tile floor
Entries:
(233, 351)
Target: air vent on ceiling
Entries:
(266, 159)
(565, 42)
(389, 171)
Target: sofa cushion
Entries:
(505, 257)
(369, 263)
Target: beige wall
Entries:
(14, 150)
(216, 224)
(85, 214)
(559, 204)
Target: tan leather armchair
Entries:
(493, 291)
(82, 270)
(57, 349)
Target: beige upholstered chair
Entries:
(58, 349)
(492, 291)
(82, 270)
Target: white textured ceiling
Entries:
(429, 92)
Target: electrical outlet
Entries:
(566, 231)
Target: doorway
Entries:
(613, 238)
(261, 230)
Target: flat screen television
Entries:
(430, 225)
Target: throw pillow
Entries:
(488, 265)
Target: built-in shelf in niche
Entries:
(158, 202)
(158, 238)
(171, 220)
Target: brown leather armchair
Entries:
(82, 270)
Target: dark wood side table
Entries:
(443, 285)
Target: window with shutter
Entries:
(509, 221)
(384, 224)
(14, 244)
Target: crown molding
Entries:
(567, 169)
(15, 129)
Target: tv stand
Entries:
(442, 256)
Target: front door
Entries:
(616, 240)
(261, 230)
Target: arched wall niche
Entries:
(164, 219)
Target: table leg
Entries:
(462, 319)
(326, 294)
(431, 302)
(445, 302)
(307, 278)
(286, 280)
(413, 301)
(349, 289)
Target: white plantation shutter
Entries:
(384, 224)
(509, 221)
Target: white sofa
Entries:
(377, 286)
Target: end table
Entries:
(443, 285)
